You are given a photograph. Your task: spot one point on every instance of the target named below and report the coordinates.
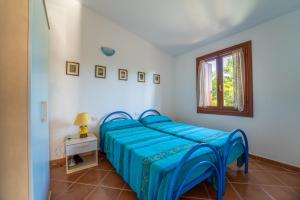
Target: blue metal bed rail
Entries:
(214, 169)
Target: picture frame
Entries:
(72, 68)
(123, 74)
(100, 71)
(141, 76)
(156, 78)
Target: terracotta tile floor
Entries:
(265, 181)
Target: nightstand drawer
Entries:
(81, 148)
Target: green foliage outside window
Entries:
(214, 101)
(227, 85)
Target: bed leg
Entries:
(246, 164)
(220, 187)
(244, 161)
(246, 158)
(223, 178)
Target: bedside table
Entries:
(85, 147)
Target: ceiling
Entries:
(178, 26)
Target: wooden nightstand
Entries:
(85, 147)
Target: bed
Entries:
(157, 165)
(232, 146)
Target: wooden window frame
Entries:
(218, 55)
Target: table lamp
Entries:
(82, 120)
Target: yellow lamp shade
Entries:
(83, 119)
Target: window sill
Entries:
(225, 112)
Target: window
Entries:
(224, 81)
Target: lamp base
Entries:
(83, 131)
(84, 135)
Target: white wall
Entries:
(274, 130)
(77, 34)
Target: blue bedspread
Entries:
(146, 158)
(198, 134)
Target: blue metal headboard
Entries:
(155, 112)
(120, 115)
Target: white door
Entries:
(38, 86)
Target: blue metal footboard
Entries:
(230, 143)
(215, 169)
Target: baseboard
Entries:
(58, 162)
(277, 163)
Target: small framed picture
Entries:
(72, 68)
(156, 78)
(123, 74)
(100, 71)
(141, 76)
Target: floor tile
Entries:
(254, 177)
(251, 192)
(270, 167)
(199, 191)
(101, 155)
(105, 164)
(128, 195)
(102, 193)
(59, 173)
(93, 177)
(292, 169)
(126, 187)
(289, 179)
(280, 193)
(264, 181)
(113, 180)
(296, 190)
(58, 187)
(76, 192)
(193, 198)
(230, 194)
(252, 165)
